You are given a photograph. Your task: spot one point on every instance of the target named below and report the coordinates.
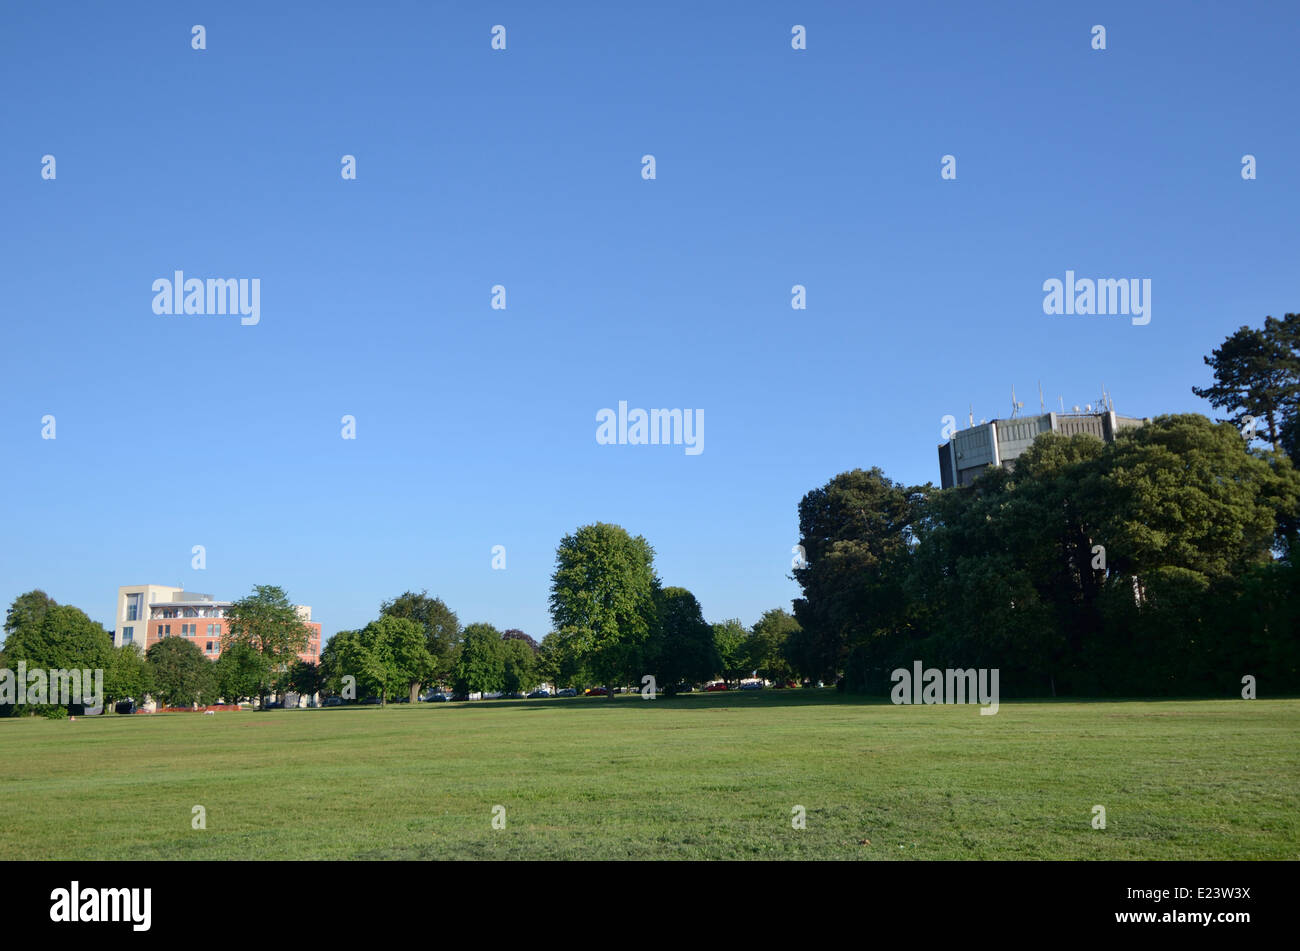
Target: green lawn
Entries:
(703, 776)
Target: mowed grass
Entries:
(696, 777)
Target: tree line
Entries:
(1159, 564)
(261, 640)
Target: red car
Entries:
(596, 692)
(713, 688)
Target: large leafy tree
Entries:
(181, 674)
(343, 657)
(305, 678)
(857, 532)
(127, 675)
(769, 644)
(242, 672)
(27, 610)
(1186, 493)
(401, 646)
(59, 636)
(267, 621)
(388, 655)
(681, 646)
(1092, 561)
(731, 644)
(602, 598)
(519, 665)
(481, 666)
(55, 637)
(441, 627)
(1257, 373)
(558, 662)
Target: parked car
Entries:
(333, 701)
(751, 685)
(714, 688)
(124, 706)
(273, 705)
(540, 693)
(683, 688)
(459, 697)
(373, 701)
(437, 698)
(567, 692)
(512, 696)
(595, 692)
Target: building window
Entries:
(127, 633)
(209, 647)
(190, 612)
(164, 630)
(133, 607)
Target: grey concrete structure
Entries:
(999, 442)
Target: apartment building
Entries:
(148, 613)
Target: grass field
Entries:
(704, 776)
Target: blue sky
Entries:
(476, 427)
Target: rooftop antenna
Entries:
(1042, 408)
(1062, 399)
(1015, 407)
(971, 417)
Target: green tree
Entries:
(181, 674)
(268, 622)
(305, 678)
(127, 675)
(27, 610)
(519, 665)
(242, 672)
(59, 637)
(731, 641)
(857, 534)
(1257, 373)
(602, 598)
(341, 658)
(769, 645)
(681, 644)
(558, 662)
(53, 637)
(398, 646)
(441, 626)
(481, 666)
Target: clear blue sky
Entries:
(477, 427)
